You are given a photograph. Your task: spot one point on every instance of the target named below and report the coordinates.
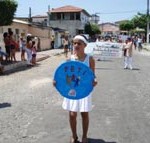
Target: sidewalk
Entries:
(146, 46)
(40, 56)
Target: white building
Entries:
(70, 18)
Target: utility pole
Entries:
(49, 15)
(147, 38)
(30, 18)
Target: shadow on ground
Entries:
(5, 105)
(91, 140)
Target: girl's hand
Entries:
(95, 82)
(54, 83)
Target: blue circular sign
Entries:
(74, 80)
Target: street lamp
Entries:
(147, 38)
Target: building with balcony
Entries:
(70, 18)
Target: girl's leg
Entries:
(73, 124)
(85, 125)
(130, 63)
(29, 56)
(11, 55)
(23, 55)
(125, 62)
(14, 54)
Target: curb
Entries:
(42, 58)
(14, 66)
(20, 64)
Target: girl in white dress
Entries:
(83, 105)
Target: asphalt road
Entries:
(31, 112)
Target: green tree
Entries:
(91, 29)
(7, 11)
(127, 26)
(88, 29)
(140, 20)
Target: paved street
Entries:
(31, 112)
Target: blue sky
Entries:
(109, 10)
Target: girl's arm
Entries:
(92, 66)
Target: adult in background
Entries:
(22, 48)
(98, 39)
(52, 42)
(66, 45)
(34, 49)
(29, 50)
(139, 41)
(128, 55)
(13, 47)
(7, 45)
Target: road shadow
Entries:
(91, 140)
(136, 69)
(103, 68)
(102, 60)
(5, 105)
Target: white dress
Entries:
(81, 105)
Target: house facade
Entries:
(21, 28)
(109, 29)
(70, 18)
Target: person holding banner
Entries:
(128, 54)
(83, 105)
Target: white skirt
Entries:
(81, 105)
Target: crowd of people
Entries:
(24, 45)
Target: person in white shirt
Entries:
(128, 54)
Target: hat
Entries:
(82, 38)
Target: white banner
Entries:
(104, 50)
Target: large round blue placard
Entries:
(74, 80)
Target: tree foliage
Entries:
(127, 25)
(138, 21)
(91, 29)
(7, 11)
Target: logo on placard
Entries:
(73, 80)
(72, 92)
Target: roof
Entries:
(40, 16)
(58, 29)
(108, 23)
(68, 8)
(20, 21)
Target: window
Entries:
(72, 16)
(58, 16)
(78, 16)
(67, 16)
(53, 17)
(63, 16)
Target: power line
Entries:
(121, 12)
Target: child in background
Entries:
(22, 48)
(33, 53)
